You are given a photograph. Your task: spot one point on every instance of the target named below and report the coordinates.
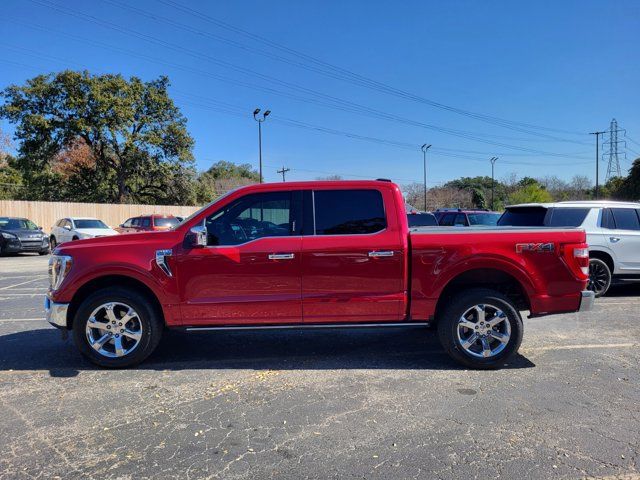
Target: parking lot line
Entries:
(580, 347)
(24, 283)
(40, 319)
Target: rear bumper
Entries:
(56, 313)
(586, 301)
(549, 305)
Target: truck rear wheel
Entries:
(480, 328)
(117, 328)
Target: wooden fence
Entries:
(45, 214)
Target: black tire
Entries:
(44, 252)
(150, 320)
(599, 277)
(74, 238)
(52, 242)
(448, 326)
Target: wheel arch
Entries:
(109, 281)
(605, 257)
(486, 278)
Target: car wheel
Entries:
(53, 242)
(44, 252)
(599, 276)
(117, 328)
(480, 329)
(74, 238)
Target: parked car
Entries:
(422, 219)
(22, 235)
(457, 217)
(78, 228)
(148, 223)
(613, 234)
(314, 254)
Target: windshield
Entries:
(166, 222)
(90, 224)
(199, 211)
(422, 220)
(483, 218)
(17, 224)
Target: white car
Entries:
(77, 228)
(613, 234)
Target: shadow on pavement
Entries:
(416, 348)
(624, 290)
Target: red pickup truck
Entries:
(314, 254)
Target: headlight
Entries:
(9, 235)
(59, 266)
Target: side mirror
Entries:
(197, 237)
(67, 227)
(121, 225)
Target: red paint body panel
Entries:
(331, 278)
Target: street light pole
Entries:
(260, 120)
(424, 149)
(493, 183)
(597, 134)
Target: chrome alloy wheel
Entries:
(114, 329)
(483, 331)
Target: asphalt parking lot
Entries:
(327, 404)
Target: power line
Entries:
(333, 70)
(319, 97)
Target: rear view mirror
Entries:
(197, 237)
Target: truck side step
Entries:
(306, 326)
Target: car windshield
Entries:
(483, 218)
(422, 220)
(166, 222)
(17, 224)
(88, 223)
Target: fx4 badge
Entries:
(534, 247)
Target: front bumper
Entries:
(586, 300)
(56, 313)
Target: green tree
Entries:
(222, 177)
(136, 134)
(11, 184)
(629, 187)
(531, 193)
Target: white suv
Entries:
(613, 234)
(76, 228)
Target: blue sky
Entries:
(569, 67)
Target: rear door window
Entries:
(626, 218)
(348, 212)
(145, 222)
(566, 217)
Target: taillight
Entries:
(577, 257)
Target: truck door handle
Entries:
(282, 256)
(614, 239)
(381, 253)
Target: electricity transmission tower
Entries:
(612, 153)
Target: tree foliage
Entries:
(136, 138)
(222, 177)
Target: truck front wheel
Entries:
(117, 328)
(480, 328)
